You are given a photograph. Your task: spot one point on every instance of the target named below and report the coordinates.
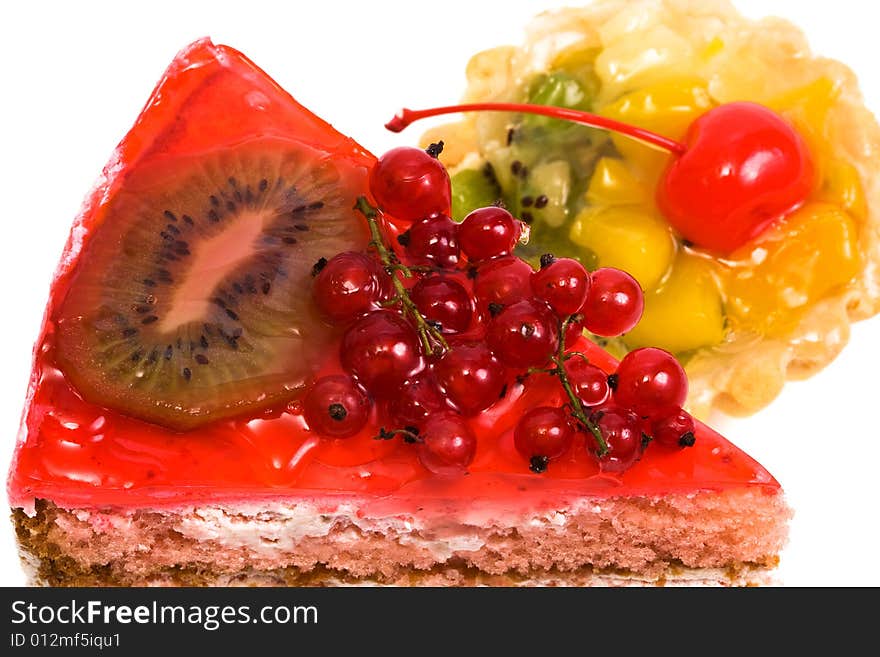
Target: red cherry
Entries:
(409, 184)
(650, 380)
(335, 407)
(744, 167)
(448, 446)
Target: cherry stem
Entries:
(407, 116)
(426, 331)
(577, 409)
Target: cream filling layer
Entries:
(267, 529)
(281, 527)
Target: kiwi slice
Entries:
(472, 189)
(191, 302)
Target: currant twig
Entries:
(409, 436)
(428, 335)
(541, 370)
(577, 409)
(421, 269)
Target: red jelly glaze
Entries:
(79, 454)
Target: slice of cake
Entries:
(249, 374)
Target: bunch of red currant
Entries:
(438, 326)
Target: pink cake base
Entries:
(707, 537)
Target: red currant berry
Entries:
(524, 335)
(335, 407)
(589, 383)
(444, 301)
(448, 446)
(471, 377)
(381, 350)
(409, 184)
(416, 401)
(502, 282)
(543, 434)
(433, 241)
(348, 285)
(488, 232)
(575, 330)
(614, 303)
(563, 283)
(674, 428)
(622, 431)
(650, 380)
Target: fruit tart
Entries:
(272, 358)
(752, 229)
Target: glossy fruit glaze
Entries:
(80, 454)
(77, 453)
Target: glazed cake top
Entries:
(79, 454)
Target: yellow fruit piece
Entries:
(642, 57)
(667, 108)
(613, 184)
(842, 186)
(630, 20)
(808, 108)
(810, 254)
(742, 75)
(579, 60)
(712, 49)
(575, 57)
(631, 238)
(490, 72)
(685, 312)
(810, 102)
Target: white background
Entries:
(75, 75)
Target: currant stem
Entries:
(577, 409)
(407, 116)
(426, 332)
(408, 435)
